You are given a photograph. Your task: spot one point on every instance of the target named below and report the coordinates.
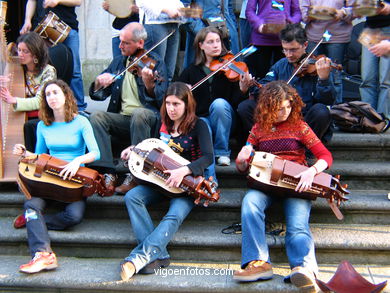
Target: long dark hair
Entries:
(200, 57)
(182, 92)
(37, 46)
(46, 113)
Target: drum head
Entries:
(120, 8)
(322, 13)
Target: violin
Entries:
(141, 60)
(309, 67)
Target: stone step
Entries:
(102, 275)
(358, 175)
(203, 241)
(363, 207)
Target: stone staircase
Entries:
(203, 258)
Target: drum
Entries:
(370, 37)
(120, 8)
(322, 12)
(362, 8)
(3, 11)
(53, 29)
(272, 28)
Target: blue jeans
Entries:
(245, 33)
(298, 241)
(334, 51)
(375, 87)
(221, 120)
(37, 224)
(115, 47)
(152, 241)
(169, 48)
(76, 84)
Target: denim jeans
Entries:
(76, 84)
(221, 120)
(375, 87)
(298, 241)
(115, 47)
(37, 224)
(169, 48)
(245, 33)
(132, 129)
(334, 51)
(152, 241)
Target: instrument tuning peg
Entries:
(345, 186)
(206, 203)
(197, 200)
(337, 177)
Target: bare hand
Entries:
(147, 77)
(172, 13)
(104, 80)
(340, 14)
(50, 3)
(385, 9)
(105, 5)
(70, 169)
(26, 27)
(323, 67)
(134, 9)
(19, 150)
(5, 95)
(306, 180)
(125, 154)
(246, 81)
(381, 49)
(176, 176)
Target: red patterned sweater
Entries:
(288, 141)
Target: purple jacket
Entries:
(259, 12)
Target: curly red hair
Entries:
(270, 99)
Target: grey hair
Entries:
(138, 31)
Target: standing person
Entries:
(280, 130)
(266, 18)
(132, 114)
(64, 134)
(191, 133)
(212, 9)
(245, 28)
(340, 28)
(218, 97)
(375, 86)
(65, 10)
(118, 24)
(161, 18)
(34, 58)
(316, 91)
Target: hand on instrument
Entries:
(134, 9)
(103, 80)
(243, 156)
(306, 180)
(246, 81)
(176, 176)
(19, 150)
(172, 12)
(323, 67)
(70, 169)
(26, 27)
(384, 9)
(148, 77)
(50, 3)
(105, 5)
(5, 95)
(340, 14)
(125, 154)
(381, 49)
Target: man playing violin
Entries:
(317, 91)
(136, 97)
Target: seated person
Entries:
(184, 129)
(279, 129)
(135, 100)
(34, 58)
(317, 91)
(218, 97)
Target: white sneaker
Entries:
(223, 161)
(304, 279)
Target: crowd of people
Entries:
(196, 110)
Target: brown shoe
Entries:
(127, 270)
(304, 279)
(254, 271)
(109, 183)
(127, 184)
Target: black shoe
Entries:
(152, 267)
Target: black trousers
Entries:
(30, 134)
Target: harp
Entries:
(11, 122)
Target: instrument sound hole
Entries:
(264, 156)
(138, 163)
(26, 169)
(258, 174)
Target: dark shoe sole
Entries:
(154, 266)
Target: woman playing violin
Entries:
(183, 129)
(218, 97)
(317, 91)
(279, 129)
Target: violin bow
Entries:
(244, 52)
(325, 37)
(136, 60)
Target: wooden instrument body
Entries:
(39, 174)
(53, 29)
(370, 37)
(362, 8)
(120, 8)
(322, 12)
(275, 175)
(11, 122)
(150, 158)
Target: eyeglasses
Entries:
(292, 51)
